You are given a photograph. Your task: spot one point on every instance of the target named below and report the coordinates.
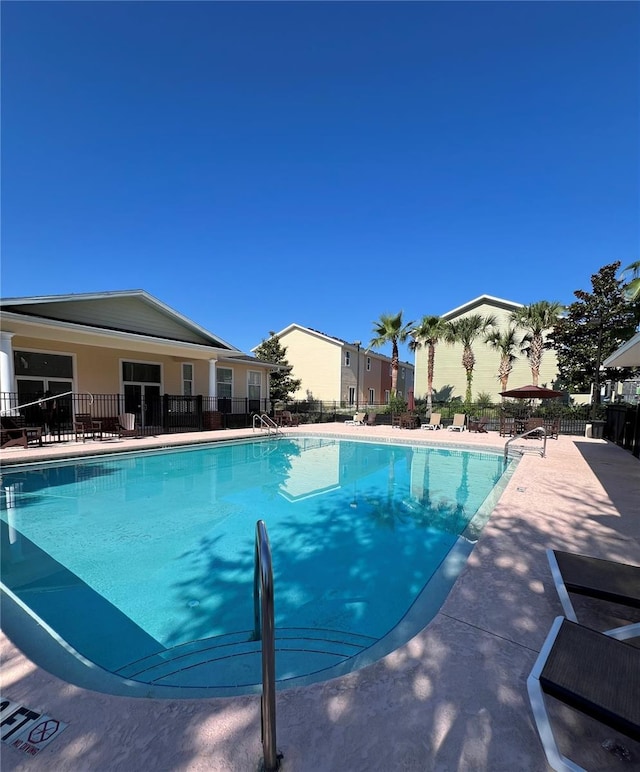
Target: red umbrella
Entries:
(532, 392)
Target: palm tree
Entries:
(391, 329)
(505, 342)
(535, 320)
(465, 330)
(632, 288)
(429, 332)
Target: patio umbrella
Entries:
(532, 392)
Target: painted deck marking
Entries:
(26, 729)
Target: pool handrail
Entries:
(265, 422)
(535, 430)
(264, 630)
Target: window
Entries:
(187, 379)
(402, 372)
(32, 364)
(347, 359)
(387, 396)
(352, 395)
(224, 382)
(368, 363)
(141, 372)
(372, 396)
(390, 370)
(254, 391)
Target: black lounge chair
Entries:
(591, 672)
(606, 580)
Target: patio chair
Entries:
(85, 426)
(605, 580)
(459, 423)
(408, 421)
(13, 432)
(287, 418)
(591, 672)
(358, 420)
(434, 422)
(507, 426)
(371, 419)
(127, 425)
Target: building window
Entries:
(402, 372)
(368, 363)
(33, 364)
(224, 386)
(254, 391)
(347, 359)
(390, 370)
(187, 379)
(372, 396)
(352, 395)
(141, 372)
(387, 396)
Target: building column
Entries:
(7, 372)
(212, 378)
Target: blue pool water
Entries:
(143, 563)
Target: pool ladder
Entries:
(536, 430)
(263, 421)
(264, 630)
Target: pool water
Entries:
(144, 563)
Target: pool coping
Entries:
(453, 697)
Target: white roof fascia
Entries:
(628, 355)
(38, 321)
(145, 296)
(481, 299)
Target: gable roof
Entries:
(134, 312)
(334, 340)
(507, 305)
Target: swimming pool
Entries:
(143, 562)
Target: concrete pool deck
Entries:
(453, 698)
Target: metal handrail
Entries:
(40, 401)
(525, 434)
(265, 422)
(264, 630)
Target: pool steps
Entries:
(235, 660)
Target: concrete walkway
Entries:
(452, 699)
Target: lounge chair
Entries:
(478, 425)
(287, 418)
(507, 426)
(602, 579)
(371, 419)
(358, 420)
(14, 432)
(593, 673)
(459, 421)
(434, 422)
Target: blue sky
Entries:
(258, 164)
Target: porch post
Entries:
(212, 378)
(7, 372)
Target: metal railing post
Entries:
(264, 630)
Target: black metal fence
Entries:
(622, 426)
(170, 413)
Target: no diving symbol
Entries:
(43, 731)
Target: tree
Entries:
(465, 331)
(505, 342)
(536, 319)
(391, 329)
(282, 385)
(430, 332)
(594, 326)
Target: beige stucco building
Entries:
(334, 370)
(124, 343)
(448, 369)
